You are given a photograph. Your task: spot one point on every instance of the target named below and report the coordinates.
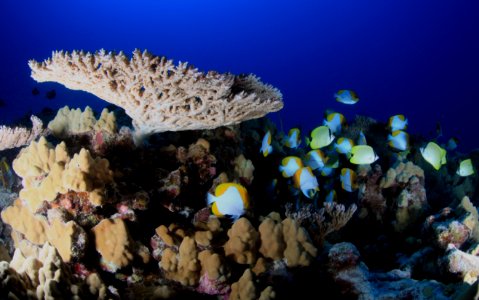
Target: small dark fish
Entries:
(51, 94)
(35, 91)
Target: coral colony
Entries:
(194, 193)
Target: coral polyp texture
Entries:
(159, 95)
(20, 136)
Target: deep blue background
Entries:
(419, 58)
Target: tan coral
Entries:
(212, 264)
(19, 136)
(48, 171)
(299, 249)
(158, 95)
(37, 230)
(184, 266)
(271, 233)
(242, 243)
(245, 289)
(113, 242)
(244, 169)
(73, 121)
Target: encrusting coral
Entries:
(158, 95)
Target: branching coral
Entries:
(19, 136)
(158, 95)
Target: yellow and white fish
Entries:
(434, 154)
(465, 168)
(321, 137)
(363, 155)
(315, 159)
(289, 166)
(399, 140)
(266, 147)
(230, 199)
(344, 146)
(293, 139)
(335, 122)
(397, 122)
(362, 138)
(331, 197)
(330, 166)
(348, 180)
(346, 97)
(305, 180)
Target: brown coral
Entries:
(242, 243)
(113, 243)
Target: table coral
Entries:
(20, 136)
(158, 95)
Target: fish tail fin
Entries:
(210, 199)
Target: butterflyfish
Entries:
(434, 154)
(363, 155)
(465, 168)
(344, 145)
(321, 137)
(293, 139)
(305, 180)
(289, 166)
(397, 122)
(230, 199)
(348, 180)
(331, 197)
(362, 139)
(315, 159)
(399, 140)
(452, 143)
(335, 122)
(266, 147)
(328, 169)
(346, 97)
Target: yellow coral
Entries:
(271, 233)
(242, 243)
(112, 241)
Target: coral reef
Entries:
(20, 136)
(158, 95)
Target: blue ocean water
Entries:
(418, 58)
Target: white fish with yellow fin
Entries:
(465, 168)
(230, 199)
(321, 137)
(289, 166)
(344, 146)
(348, 180)
(335, 121)
(363, 155)
(315, 159)
(397, 122)
(399, 140)
(434, 154)
(346, 97)
(293, 139)
(266, 147)
(331, 197)
(305, 180)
